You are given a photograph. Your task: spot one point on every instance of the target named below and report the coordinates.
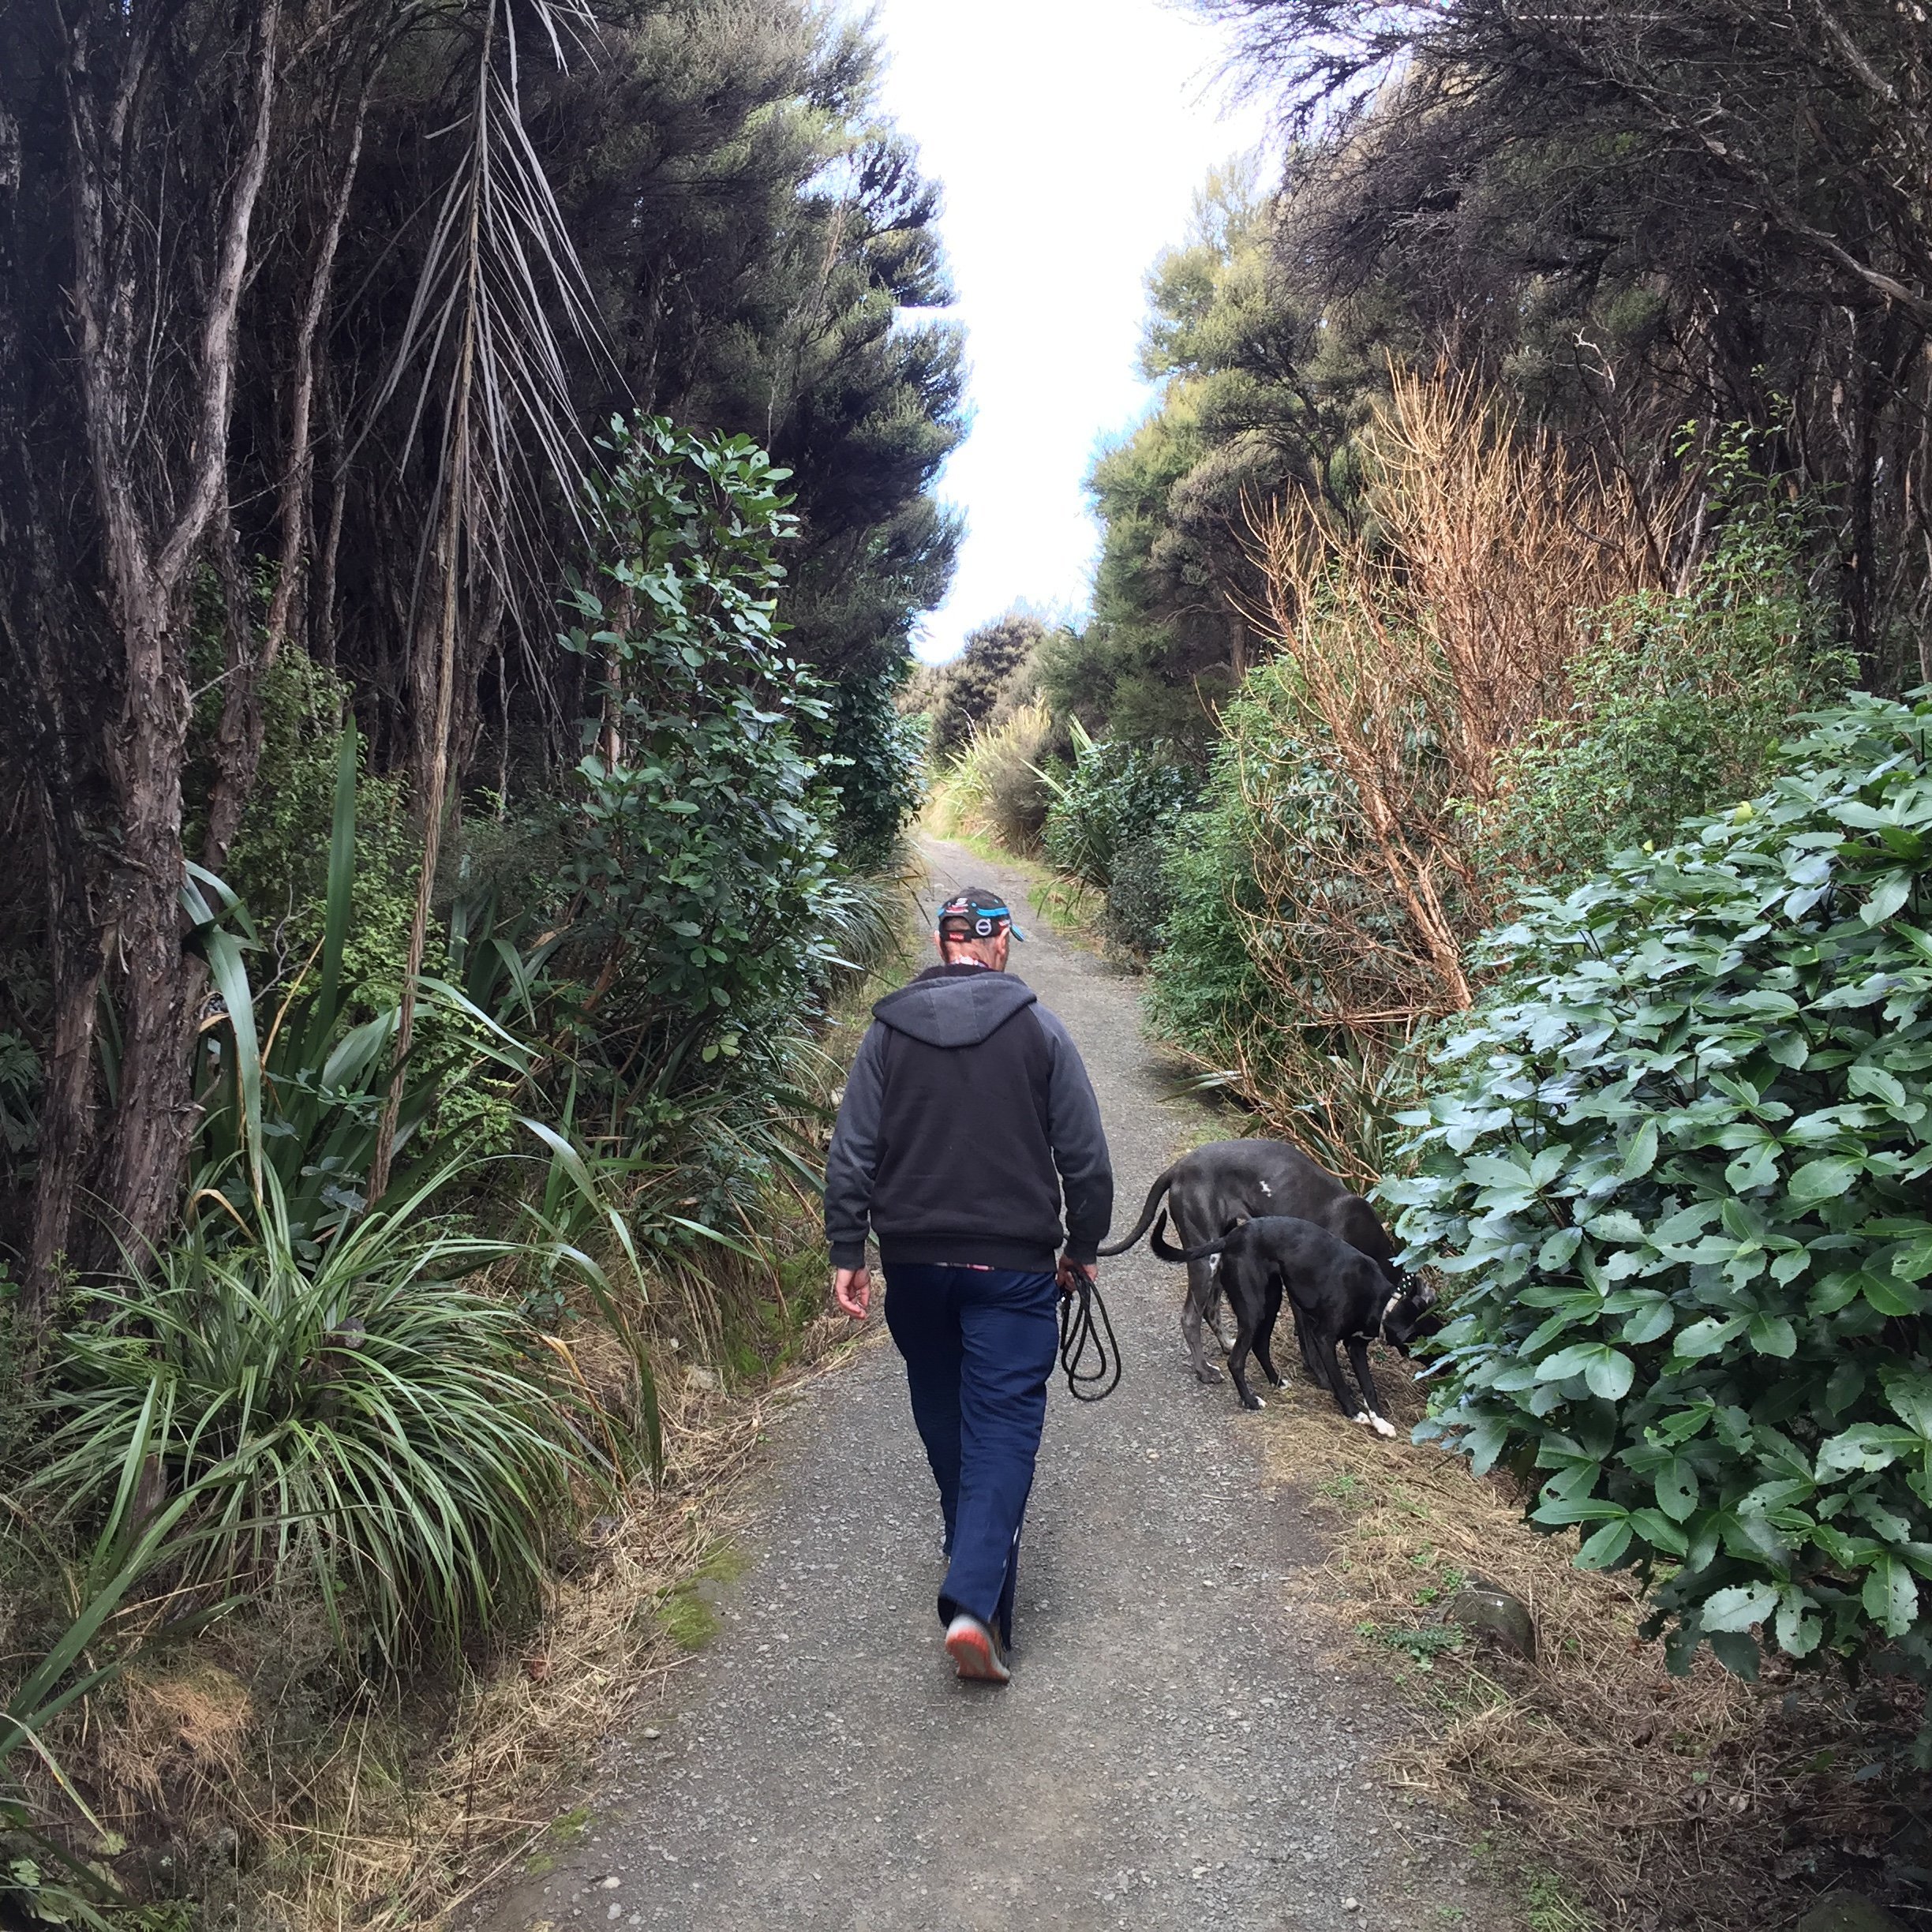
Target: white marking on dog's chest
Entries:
(1268, 1191)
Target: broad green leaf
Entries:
(1911, 1397)
(1913, 1262)
(1756, 1169)
(1566, 1362)
(1878, 1084)
(1641, 1156)
(1686, 1224)
(1738, 1607)
(1659, 1531)
(1649, 1323)
(1618, 1225)
(1798, 1626)
(1608, 1375)
(1605, 1547)
(1772, 1334)
(1891, 891)
(1823, 1180)
(1706, 1337)
(1558, 1248)
(1864, 1445)
(1676, 1486)
(1891, 1596)
(1891, 1297)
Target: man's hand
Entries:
(1072, 1273)
(851, 1288)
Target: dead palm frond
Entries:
(501, 288)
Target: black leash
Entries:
(1078, 1337)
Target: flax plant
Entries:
(411, 1446)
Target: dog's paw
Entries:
(1209, 1375)
(1381, 1427)
(1252, 1401)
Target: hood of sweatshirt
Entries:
(955, 1006)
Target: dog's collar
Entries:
(1382, 1333)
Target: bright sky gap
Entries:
(1070, 136)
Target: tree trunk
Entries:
(147, 569)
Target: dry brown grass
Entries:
(1665, 1804)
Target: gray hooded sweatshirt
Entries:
(967, 1115)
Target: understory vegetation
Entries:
(326, 1456)
(455, 783)
(1496, 739)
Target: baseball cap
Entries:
(977, 913)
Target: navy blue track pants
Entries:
(978, 1345)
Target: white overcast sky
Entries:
(1069, 136)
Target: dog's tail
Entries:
(1192, 1254)
(1162, 1181)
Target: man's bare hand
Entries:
(851, 1288)
(1072, 1273)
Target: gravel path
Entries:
(1173, 1751)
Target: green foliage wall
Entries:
(1675, 1168)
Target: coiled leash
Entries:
(1078, 1336)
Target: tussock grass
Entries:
(1694, 1804)
(993, 789)
(415, 1805)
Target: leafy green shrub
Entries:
(1114, 791)
(880, 777)
(1677, 1163)
(296, 1079)
(701, 849)
(1140, 893)
(990, 678)
(1204, 990)
(1680, 699)
(362, 1422)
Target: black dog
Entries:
(1218, 1186)
(1338, 1295)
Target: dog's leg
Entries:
(1329, 1371)
(1358, 1361)
(1215, 1304)
(1247, 1293)
(1200, 1289)
(1264, 1335)
(1238, 1362)
(1304, 1340)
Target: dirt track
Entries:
(1177, 1749)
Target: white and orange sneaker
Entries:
(971, 1646)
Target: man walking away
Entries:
(967, 1115)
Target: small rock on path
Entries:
(1178, 1748)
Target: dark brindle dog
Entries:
(1340, 1296)
(1212, 1190)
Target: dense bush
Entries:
(1114, 791)
(881, 755)
(1140, 895)
(1204, 994)
(1679, 698)
(1677, 1164)
(980, 688)
(701, 876)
